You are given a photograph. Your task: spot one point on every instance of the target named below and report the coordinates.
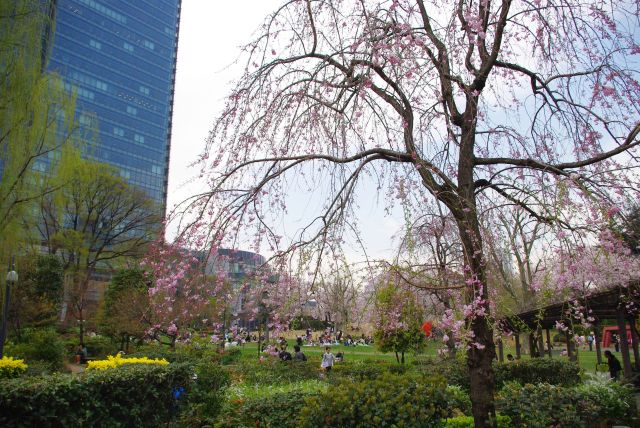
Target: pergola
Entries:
(615, 304)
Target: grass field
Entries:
(586, 358)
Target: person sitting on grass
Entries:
(284, 355)
(298, 354)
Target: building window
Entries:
(156, 169)
(101, 85)
(149, 45)
(128, 47)
(138, 139)
(118, 132)
(144, 90)
(94, 44)
(132, 110)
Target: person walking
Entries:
(327, 359)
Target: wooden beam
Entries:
(500, 350)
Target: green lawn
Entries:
(586, 359)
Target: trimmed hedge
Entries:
(387, 400)
(127, 396)
(537, 370)
(280, 410)
(467, 422)
(206, 396)
(587, 406)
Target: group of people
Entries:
(329, 338)
(328, 359)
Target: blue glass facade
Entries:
(121, 57)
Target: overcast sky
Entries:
(211, 33)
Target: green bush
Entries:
(543, 405)
(281, 409)
(387, 400)
(44, 345)
(205, 398)
(100, 346)
(127, 396)
(539, 370)
(459, 403)
(361, 370)
(467, 422)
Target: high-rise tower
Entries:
(121, 57)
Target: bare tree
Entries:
(464, 102)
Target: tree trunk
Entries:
(402, 357)
(81, 329)
(481, 351)
(397, 358)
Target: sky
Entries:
(211, 34)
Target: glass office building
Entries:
(120, 55)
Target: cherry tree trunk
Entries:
(481, 348)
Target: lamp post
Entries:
(12, 278)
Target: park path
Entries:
(75, 368)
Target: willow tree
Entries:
(468, 102)
(37, 114)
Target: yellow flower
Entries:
(116, 361)
(10, 367)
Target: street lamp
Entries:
(12, 278)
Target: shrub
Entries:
(467, 422)
(42, 345)
(206, 395)
(10, 367)
(459, 403)
(127, 396)
(100, 346)
(358, 370)
(112, 362)
(539, 370)
(387, 400)
(280, 409)
(545, 405)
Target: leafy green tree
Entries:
(126, 305)
(94, 223)
(36, 113)
(36, 302)
(398, 320)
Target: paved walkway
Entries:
(75, 368)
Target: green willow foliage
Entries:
(36, 112)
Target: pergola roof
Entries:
(602, 305)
